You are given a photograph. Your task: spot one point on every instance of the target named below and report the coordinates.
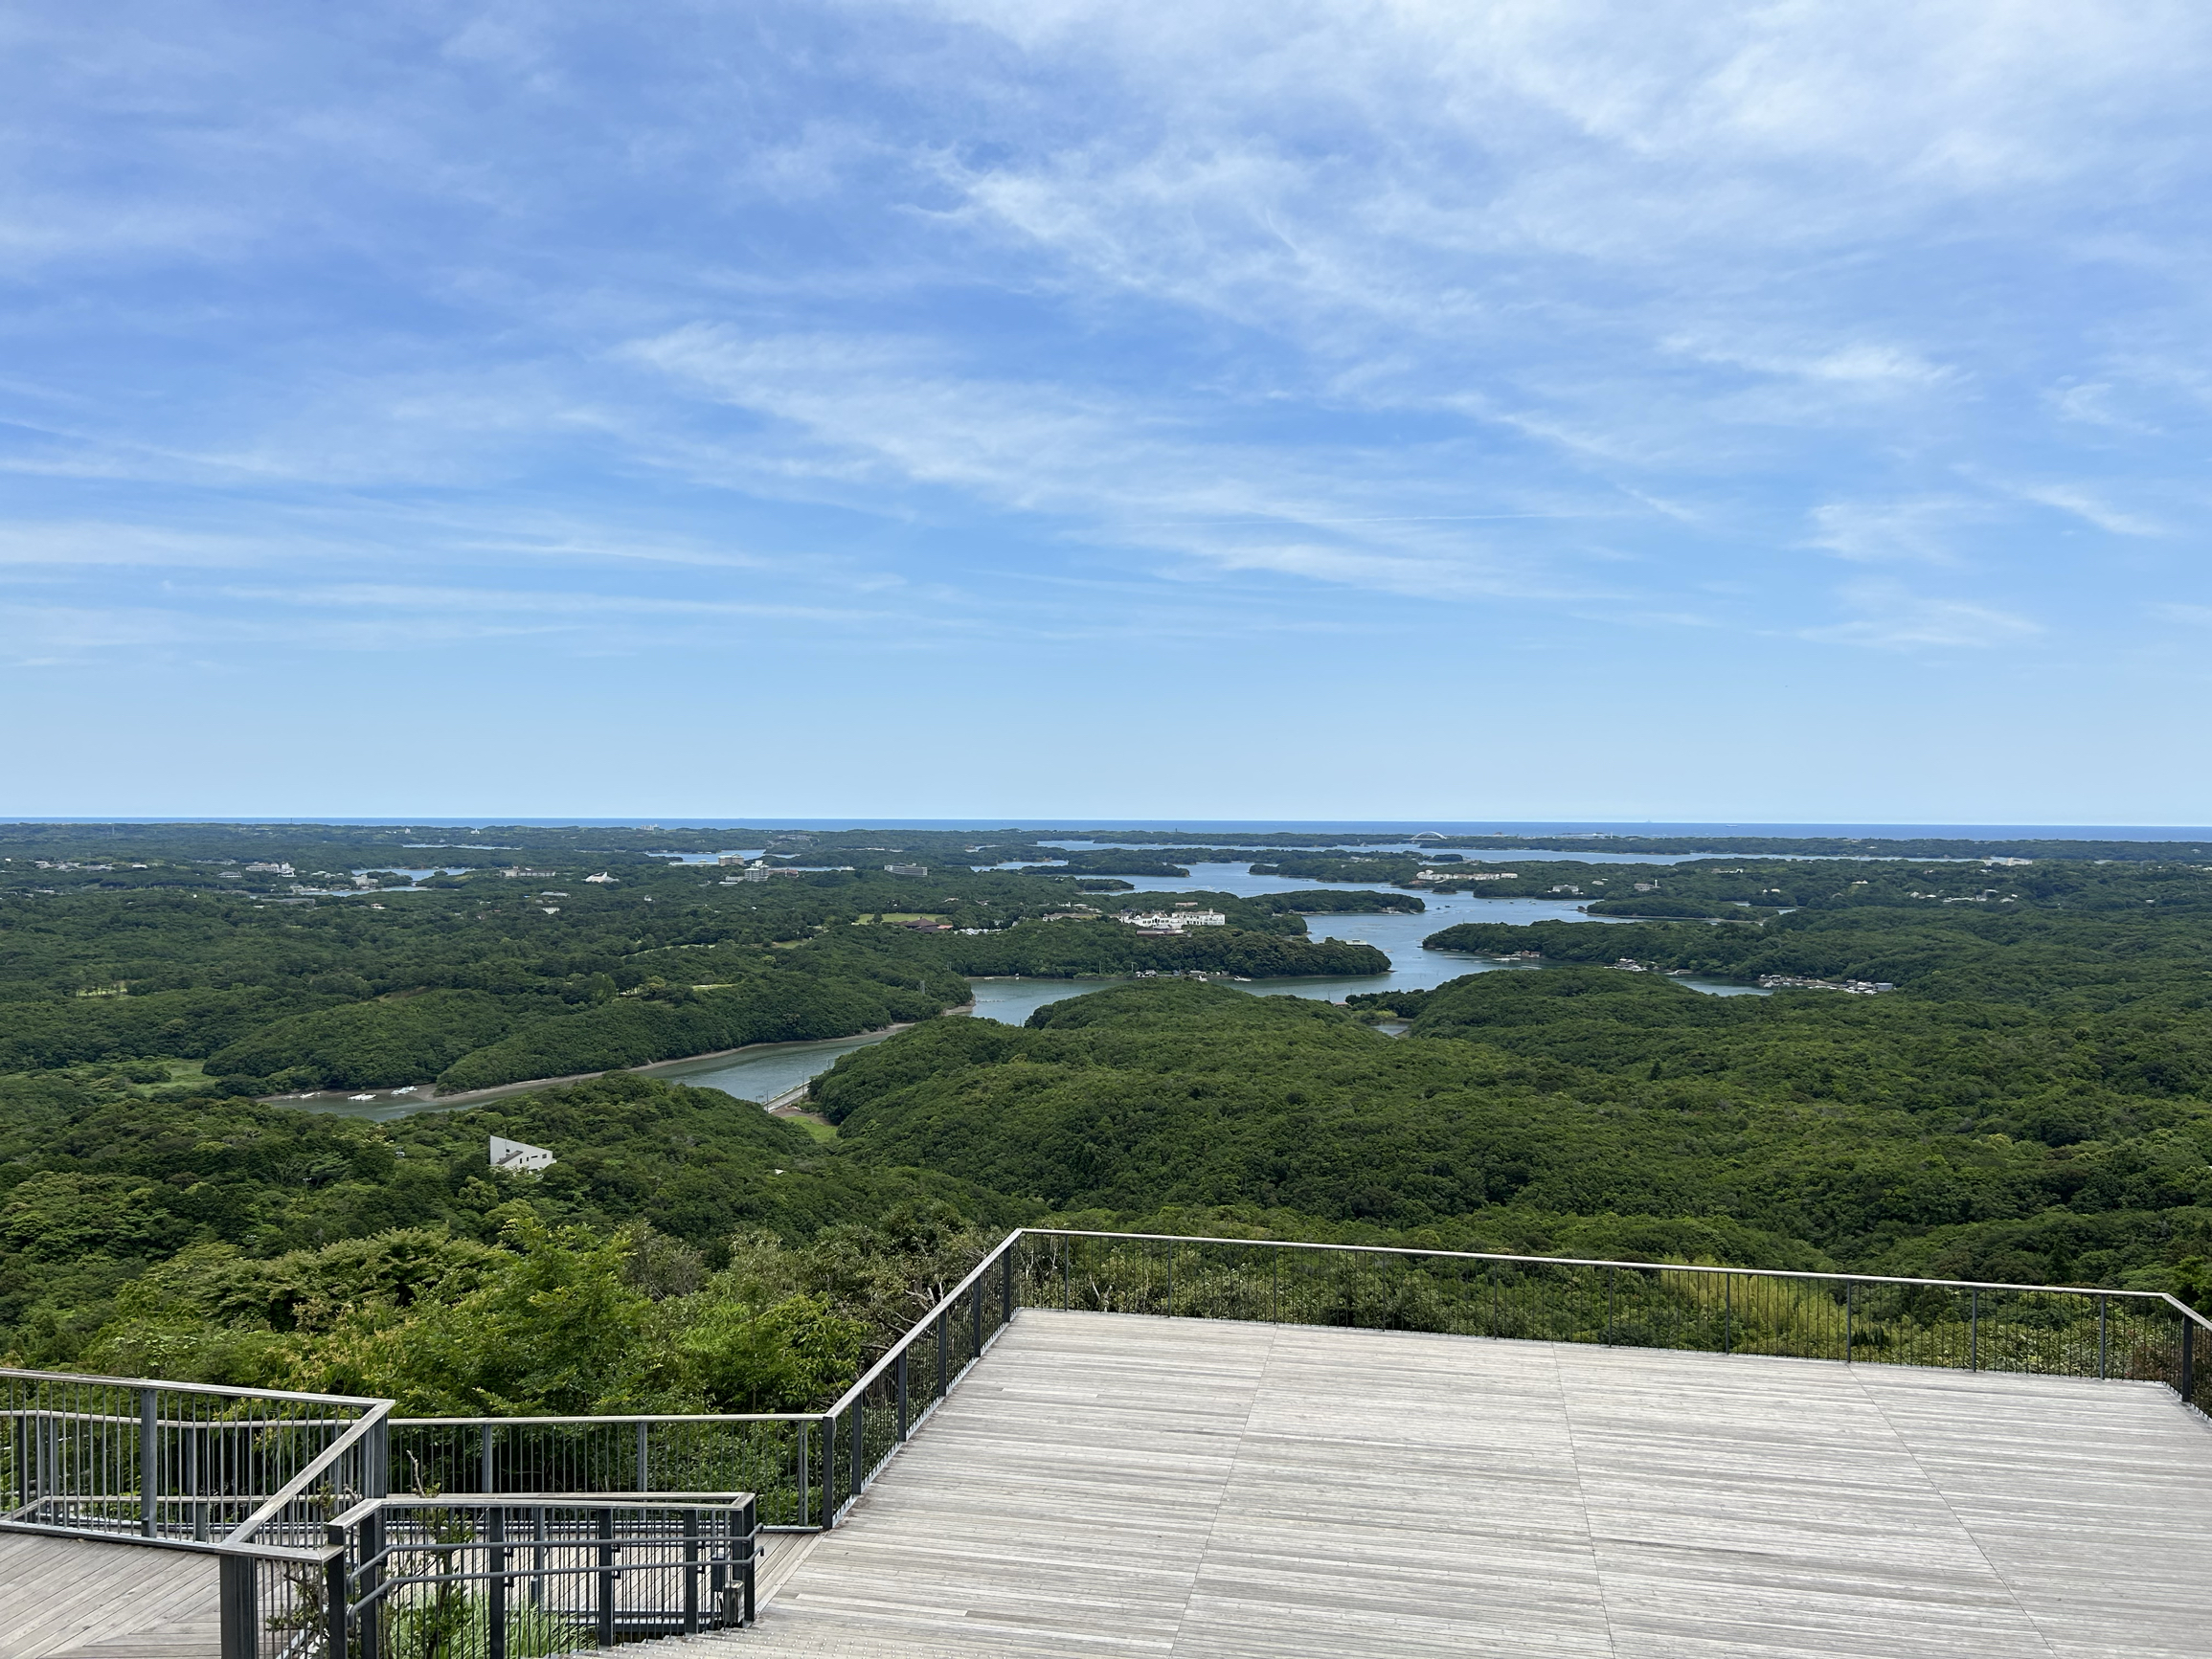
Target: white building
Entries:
(1176, 919)
(519, 1157)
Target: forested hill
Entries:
(1572, 1109)
(2028, 1100)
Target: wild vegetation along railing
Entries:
(2049, 1329)
(805, 1467)
(165, 1460)
(771, 1454)
(227, 1463)
(461, 1577)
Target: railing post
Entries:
(944, 1318)
(690, 1572)
(1728, 1313)
(370, 1547)
(806, 1470)
(644, 1469)
(1973, 1331)
(1608, 1308)
(240, 1613)
(2188, 1360)
(1850, 1297)
(379, 1474)
(1007, 1284)
(335, 1580)
(148, 1460)
(485, 1481)
(2102, 1309)
(748, 1553)
(1171, 1278)
(902, 1422)
(1275, 1286)
(495, 1590)
(1067, 1274)
(606, 1577)
(976, 1315)
(859, 1446)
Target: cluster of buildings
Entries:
(1174, 921)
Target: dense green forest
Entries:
(272, 975)
(2030, 1100)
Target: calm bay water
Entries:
(772, 1069)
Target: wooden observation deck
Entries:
(1116, 1485)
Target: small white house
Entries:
(516, 1155)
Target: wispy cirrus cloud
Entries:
(1582, 328)
(1892, 618)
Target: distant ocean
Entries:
(1262, 826)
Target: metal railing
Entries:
(771, 1454)
(808, 1467)
(873, 1418)
(165, 1460)
(805, 1468)
(454, 1578)
(272, 1468)
(2043, 1330)
(275, 1601)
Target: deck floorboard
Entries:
(1114, 1484)
(92, 1599)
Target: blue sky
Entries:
(1703, 411)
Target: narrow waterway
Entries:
(763, 1072)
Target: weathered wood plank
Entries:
(93, 1599)
(1114, 1484)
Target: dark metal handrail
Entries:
(472, 1578)
(809, 1466)
(2178, 1306)
(358, 1453)
(243, 1393)
(2040, 1329)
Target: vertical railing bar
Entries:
(496, 1591)
(149, 1459)
(605, 1599)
